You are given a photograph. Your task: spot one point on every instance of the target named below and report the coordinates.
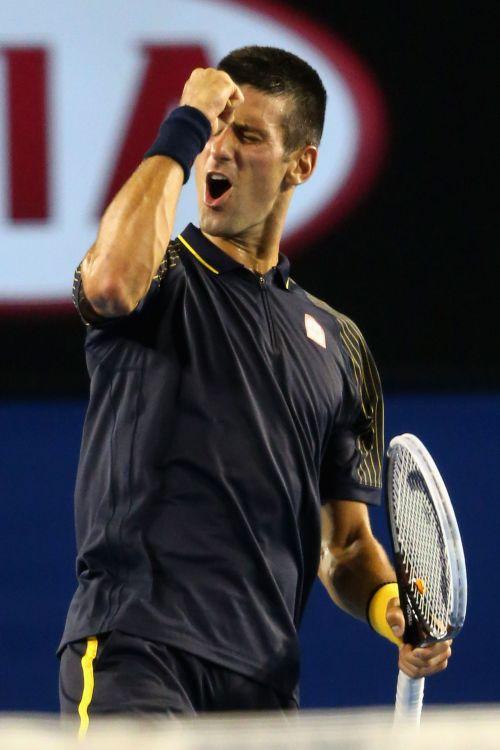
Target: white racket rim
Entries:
(446, 518)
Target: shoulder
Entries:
(351, 342)
(341, 324)
(169, 262)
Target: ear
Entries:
(301, 167)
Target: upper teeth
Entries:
(217, 177)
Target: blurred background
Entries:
(398, 232)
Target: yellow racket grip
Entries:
(377, 608)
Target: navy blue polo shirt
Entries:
(223, 410)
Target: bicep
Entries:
(343, 522)
(345, 525)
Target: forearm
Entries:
(351, 573)
(133, 235)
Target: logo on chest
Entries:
(314, 331)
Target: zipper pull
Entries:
(262, 281)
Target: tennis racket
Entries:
(428, 555)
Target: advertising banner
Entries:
(84, 87)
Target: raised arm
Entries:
(136, 227)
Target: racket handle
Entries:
(409, 699)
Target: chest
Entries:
(260, 342)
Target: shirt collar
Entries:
(217, 261)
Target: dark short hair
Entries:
(280, 73)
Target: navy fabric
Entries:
(182, 135)
(137, 676)
(217, 409)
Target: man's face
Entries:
(239, 173)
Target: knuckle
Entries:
(424, 655)
(435, 668)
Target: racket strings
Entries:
(422, 545)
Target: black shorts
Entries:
(116, 673)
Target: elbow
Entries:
(342, 561)
(107, 297)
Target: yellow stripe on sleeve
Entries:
(88, 685)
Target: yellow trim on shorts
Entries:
(88, 685)
(196, 255)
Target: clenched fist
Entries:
(419, 661)
(215, 94)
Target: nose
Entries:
(221, 145)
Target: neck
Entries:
(256, 248)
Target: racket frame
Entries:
(417, 632)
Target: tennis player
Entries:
(233, 438)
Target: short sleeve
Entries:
(91, 318)
(351, 467)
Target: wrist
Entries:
(182, 135)
(200, 106)
(376, 609)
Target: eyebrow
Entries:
(252, 128)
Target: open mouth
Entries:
(217, 187)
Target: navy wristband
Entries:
(182, 135)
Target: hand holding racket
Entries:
(429, 559)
